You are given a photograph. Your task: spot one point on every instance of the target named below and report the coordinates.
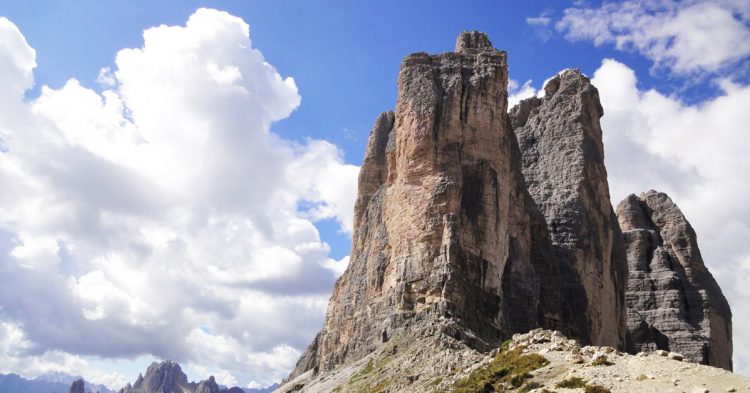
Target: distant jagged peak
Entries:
(167, 377)
(77, 386)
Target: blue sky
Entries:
(344, 56)
(673, 84)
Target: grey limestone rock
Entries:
(77, 386)
(674, 303)
(208, 386)
(446, 238)
(473, 223)
(168, 377)
(164, 377)
(563, 164)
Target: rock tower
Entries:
(563, 163)
(674, 303)
(475, 222)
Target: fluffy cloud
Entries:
(15, 347)
(698, 155)
(517, 93)
(685, 36)
(161, 215)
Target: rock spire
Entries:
(563, 163)
(673, 301)
(78, 386)
(446, 237)
(168, 377)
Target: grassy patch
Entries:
(576, 382)
(367, 379)
(506, 344)
(512, 367)
(361, 374)
(571, 383)
(529, 387)
(596, 389)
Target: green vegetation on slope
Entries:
(572, 383)
(576, 382)
(509, 366)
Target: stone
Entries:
(77, 386)
(446, 236)
(560, 138)
(599, 358)
(674, 303)
(675, 356)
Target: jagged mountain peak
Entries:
(674, 303)
(473, 223)
(77, 386)
(167, 377)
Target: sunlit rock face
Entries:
(673, 301)
(446, 237)
(474, 222)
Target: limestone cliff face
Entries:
(563, 163)
(673, 301)
(446, 237)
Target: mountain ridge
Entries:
(51, 383)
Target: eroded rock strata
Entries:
(674, 303)
(563, 163)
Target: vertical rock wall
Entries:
(446, 236)
(563, 163)
(477, 224)
(673, 301)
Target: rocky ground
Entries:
(441, 364)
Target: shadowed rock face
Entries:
(446, 238)
(164, 377)
(673, 301)
(77, 386)
(563, 163)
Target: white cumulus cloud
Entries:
(518, 93)
(698, 155)
(162, 216)
(684, 36)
